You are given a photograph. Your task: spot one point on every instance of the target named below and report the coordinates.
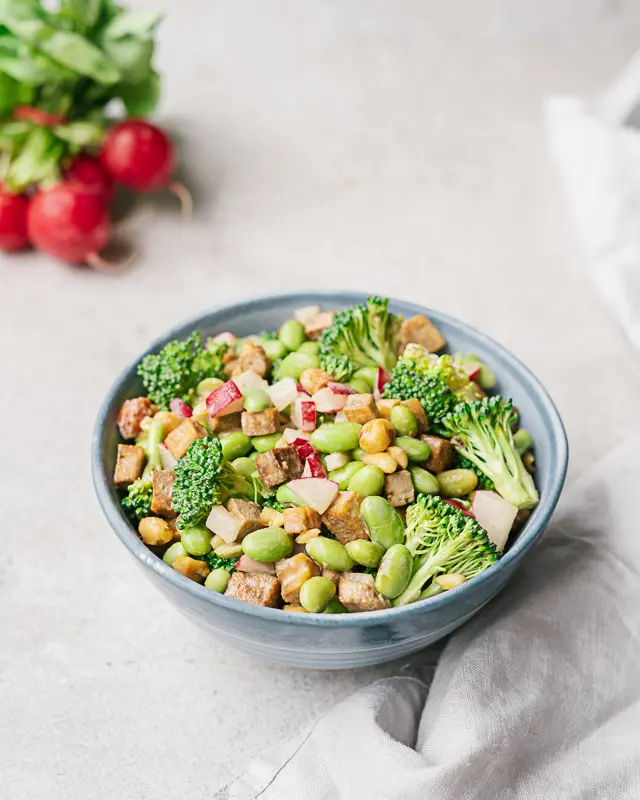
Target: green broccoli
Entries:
(179, 367)
(271, 502)
(204, 479)
(365, 335)
(218, 562)
(137, 501)
(443, 540)
(434, 395)
(483, 481)
(481, 431)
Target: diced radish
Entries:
(283, 393)
(301, 389)
(495, 515)
(246, 564)
(341, 417)
(226, 399)
(318, 493)
(314, 462)
(306, 313)
(226, 337)
(250, 380)
(472, 369)
(459, 506)
(382, 379)
(224, 524)
(340, 388)
(328, 402)
(306, 472)
(180, 408)
(336, 460)
(303, 414)
(168, 461)
(305, 449)
(291, 434)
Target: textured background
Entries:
(393, 146)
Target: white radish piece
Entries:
(224, 524)
(341, 417)
(495, 515)
(318, 493)
(291, 434)
(168, 461)
(336, 460)
(283, 393)
(250, 380)
(327, 402)
(303, 414)
(306, 313)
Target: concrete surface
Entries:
(396, 146)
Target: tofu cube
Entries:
(259, 589)
(178, 440)
(226, 423)
(343, 518)
(162, 497)
(399, 489)
(356, 595)
(131, 414)
(422, 331)
(360, 408)
(385, 406)
(252, 357)
(313, 326)
(442, 455)
(279, 466)
(300, 519)
(247, 513)
(292, 573)
(260, 423)
(129, 464)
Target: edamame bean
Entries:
(328, 552)
(197, 540)
(335, 607)
(316, 593)
(457, 482)
(522, 440)
(343, 475)
(285, 496)
(235, 445)
(365, 553)
(175, 551)
(256, 400)
(431, 591)
(268, 545)
(368, 375)
(265, 443)
(336, 437)
(311, 348)
(360, 386)
(416, 449)
(358, 454)
(274, 348)
(206, 386)
(367, 481)
(217, 580)
(424, 481)
(404, 421)
(394, 572)
(383, 522)
(293, 365)
(292, 334)
(244, 466)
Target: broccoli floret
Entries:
(218, 562)
(137, 501)
(483, 481)
(364, 335)
(449, 369)
(443, 540)
(179, 367)
(204, 479)
(434, 395)
(271, 502)
(481, 431)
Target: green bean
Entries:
(457, 482)
(285, 496)
(265, 443)
(208, 385)
(175, 551)
(367, 481)
(404, 421)
(274, 349)
(364, 552)
(316, 594)
(424, 481)
(360, 386)
(268, 545)
(335, 607)
(256, 400)
(416, 449)
(383, 522)
(197, 540)
(311, 348)
(292, 334)
(394, 572)
(293, 365)
(329, 552)
(244, 466)
(343, 475)
(522, 440)
(336, 437)
(217, 580)
(369, 375)
(235, 445)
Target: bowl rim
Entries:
(122, 528)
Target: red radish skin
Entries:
(316, 466)
(14, 210)
(340, 388)
(382, 379)
(459, 506)
(141, 156)
(305, 449)
(180, 408)
(37, 116)
(70, 224)
(87, 171)
(226, 399)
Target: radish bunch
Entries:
(70, 221)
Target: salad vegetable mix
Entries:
(337, 465)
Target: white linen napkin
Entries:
(595, 143)
(537, 698)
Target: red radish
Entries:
(168, 461)
(340, 388)
(180, 408)
(336, 460)
(13, 221)
(87, 171)
(250, 380)
(226, 399)
(291, 435)
(459, 506)
(340, 417)
(316, 467)
(303, 414)
(70, 224)
(141, 156)
(329, 403)
(283, 393)
(318, 493)
(37, 116)
(495, 515)
(246, 564)
(301, 389)
(305, 449)
(382, 379)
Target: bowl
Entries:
(324, 641)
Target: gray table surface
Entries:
(397, 146)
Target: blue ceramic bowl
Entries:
(343, 640)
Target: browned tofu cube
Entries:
(279, 466)
(225, 423)
(360, 408)
(191, 568)
(292, 573)
(343, 518)
(178, 440)
(131, 415)
(248, 513)
(314, 326)
(162, 497)
(332, 575)
(421, 331)
(413, 404)
(312, 380)
(442, 455)
(357, 594)
(260, 423)
(259, 589)
(129, 464)
(300, 519)
(385, 406)
(398, 488)
(252, 357)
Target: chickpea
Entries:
(312, 380)
(384, 461)
(155, 531)
(450, 580)
(191, 568)
(376, 435)
(385, 406)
